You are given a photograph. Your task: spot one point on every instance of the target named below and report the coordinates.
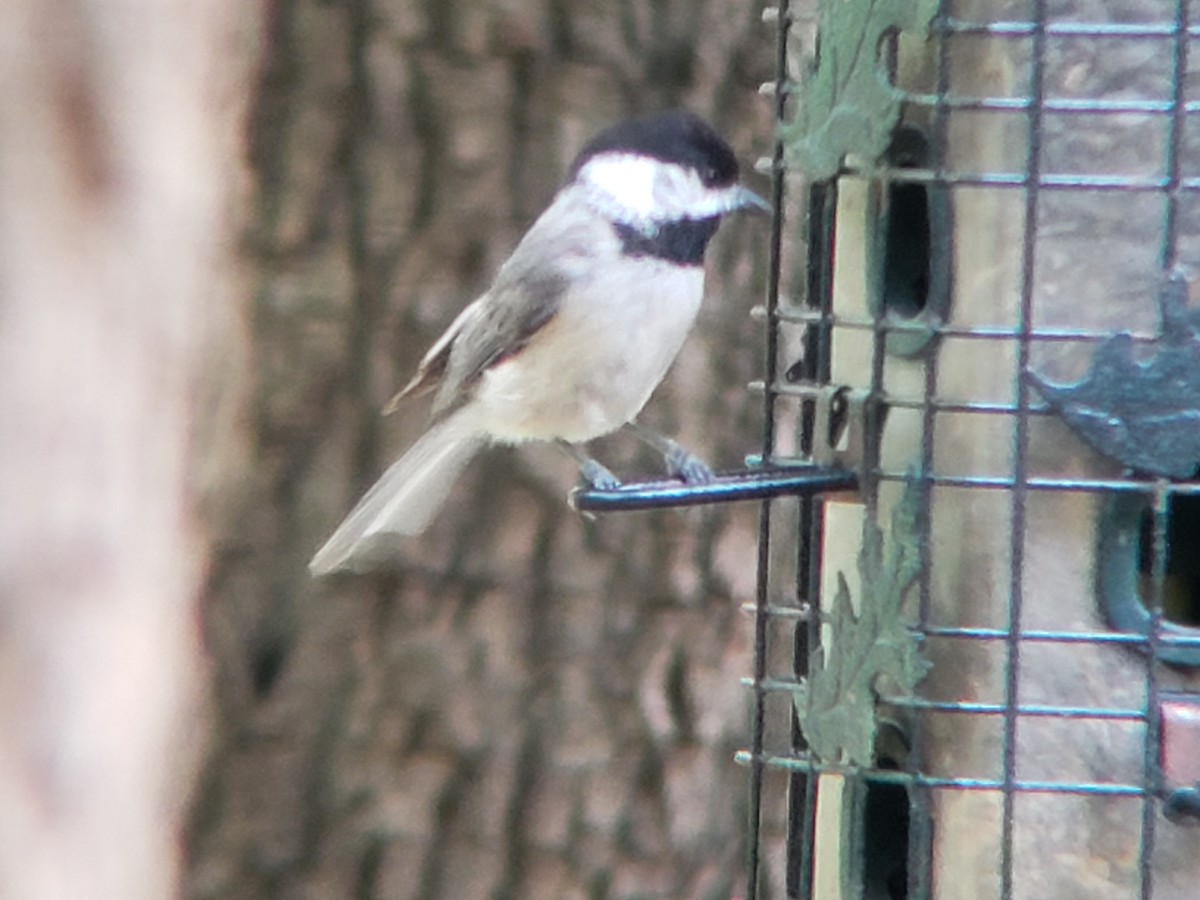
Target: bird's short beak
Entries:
(746, 199)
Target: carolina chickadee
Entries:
(579, 327)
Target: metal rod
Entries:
(749, 485)
(1012, 667)
(810, 515)
(1022, 29)
(1065, 181)
(1087, 788)
(792, 314)
(1161, 509)
(762, 563)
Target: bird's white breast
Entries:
(592, 368)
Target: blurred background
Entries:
(227, 234)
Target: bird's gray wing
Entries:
(527, 294)
(509, 316)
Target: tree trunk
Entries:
(528, 705)
(116, 138)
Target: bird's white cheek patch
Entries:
(627, 181)
(636, 189)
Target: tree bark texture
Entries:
(528, 705)
(117, 136)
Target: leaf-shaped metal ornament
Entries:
(846, 104)
(874, 654)
(1142, 413)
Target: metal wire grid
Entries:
(821, 322)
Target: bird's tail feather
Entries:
(407, 496)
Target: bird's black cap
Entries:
(676, 136)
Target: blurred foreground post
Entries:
(114, 155)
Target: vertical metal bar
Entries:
(920, 849)
(1150, 751)
(821, 213)
(854, 817)
(1161, 509)
(770, 365)
(873, 415)
(1175, 137)
(802, 797)
(1021, 446)
(757, 765)
(818, 336)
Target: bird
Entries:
(578, 328)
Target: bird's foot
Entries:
(598, 477)
(683, 464)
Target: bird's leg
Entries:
(680, 462)
(596, 475)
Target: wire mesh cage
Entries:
(977, 676)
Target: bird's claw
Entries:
(683, 464)
(598, 477)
